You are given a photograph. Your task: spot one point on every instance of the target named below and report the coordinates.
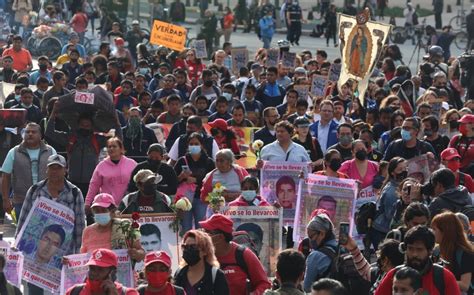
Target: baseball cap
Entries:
(156, 147)
(158, 256)
(56, 160)
(467, 118)
(145, 175)
(218, 222)
(449, 154)
(135, 22)
(320, 222)
(219, 124)
(300, 70)
(103, 258)
(103, 200)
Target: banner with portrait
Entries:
(273, 56)
(318, 85)
(161, 131)
(240, 58)
(336, 195)
(364, 195)
(244, 136)
(75, 271)
(44, 239)
(421, 167)
(264, 226)
(14, 267)
(158, 235)
(361, 44)
(279, 183)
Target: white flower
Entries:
(257, 145)
(184, 204)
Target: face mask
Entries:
(406, 135)
(453, 124)
(335, 164)
(40, 91)
(144, 71)
(102, 218)
(453, 165)
(194, 149)
(25, 106)
(157, 279)
(249, 195)
(401, 176)
(227, 96)
(191, 256)
(361, 155)
(154, 163)
(84, 132)
(149, 189)
(208, 83)
(43, 67)
(17, 97)
(94, 285)
(463, 129)
(345, 139)
(428, 133)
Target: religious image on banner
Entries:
(279, 184)
(76, 270)
(361, 43)
(157, 235)
(335, 195)
(264, 226)
(44, 239)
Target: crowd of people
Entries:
(421, 228)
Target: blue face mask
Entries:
(227, 96)
(144, 71)
(102, 218)
(406, 135)
(249, 195)
(194, 149)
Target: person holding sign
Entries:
(5, 286)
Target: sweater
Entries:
(207, 182)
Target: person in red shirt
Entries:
(79, 24)
(22, 61)
(158, 273)
(101, 276)
(451, 159)
(237, 271)
(224, 136)
(464, 143)
(249, 194)
(418, 246)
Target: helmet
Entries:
(283, 43)
(435, 50)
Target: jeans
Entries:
(198, 212)
(266, 42)
(376, 237)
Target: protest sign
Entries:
(318, 85)
(288, 59)
(75, 271)
(240, 58)
(156, 235)
(334, 72)
(264, 226)
(168, 35)
(84, 97)
(244, 137)
(273, 54)
(14, 267)
(44, 239)
(200, 47)
(365, 195)
(336, 195)
(278, 183)
(161, 131)
(303, 91)
(419, 168)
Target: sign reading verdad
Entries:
(168, 35)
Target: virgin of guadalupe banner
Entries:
(336, 195)
(264, 226)
(361, 45)
(279, 183)
(44, 239)
(157, 235)
(75, 271)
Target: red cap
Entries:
(219, 124)
(467, 118)
(158, 256)
(449, 154)
(119, 41)
(103, 200)
(103, 258)
(218, 222)
(318, 212)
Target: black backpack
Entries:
(415, 19)
(364, 217)
(243, 239)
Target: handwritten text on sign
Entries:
(168, 35)
(84, 97)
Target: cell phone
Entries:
(343, 233)
(408, 190)
(185, 168)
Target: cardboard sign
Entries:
(303, 90)
(288, 59)
(318, 86)
(200, 47)
(273, 54)
(168, 35)
(240, 58)
(84, 97)
(335, 72)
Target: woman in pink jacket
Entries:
(112, 174)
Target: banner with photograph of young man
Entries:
(264, 227)
(335, 195)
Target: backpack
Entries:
(78, 288)
(241, 263)
(363, 215)
(73, 139)
(469, 212)
(343, 269)
(243, 239)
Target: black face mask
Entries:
(43, 67)
(149, 189)
(84, 132)
(191, 256)
(453, 124)
(335, 164)
(361, 155)
(401, 176)
(154, 163)
(208, 83)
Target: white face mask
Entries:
(249, 195)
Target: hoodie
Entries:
(453, 199)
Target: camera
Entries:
(427, 189)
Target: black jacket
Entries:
(167, 185)
(205, 286)
(453, 199)
(265, 136)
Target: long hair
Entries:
(454, 238)
(392, 165)
(204, 244)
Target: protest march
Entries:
(159, 163)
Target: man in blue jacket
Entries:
(325, 130)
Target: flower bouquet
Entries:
(216, 198)
(257, 146)
(130, 230)
(181, 206)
